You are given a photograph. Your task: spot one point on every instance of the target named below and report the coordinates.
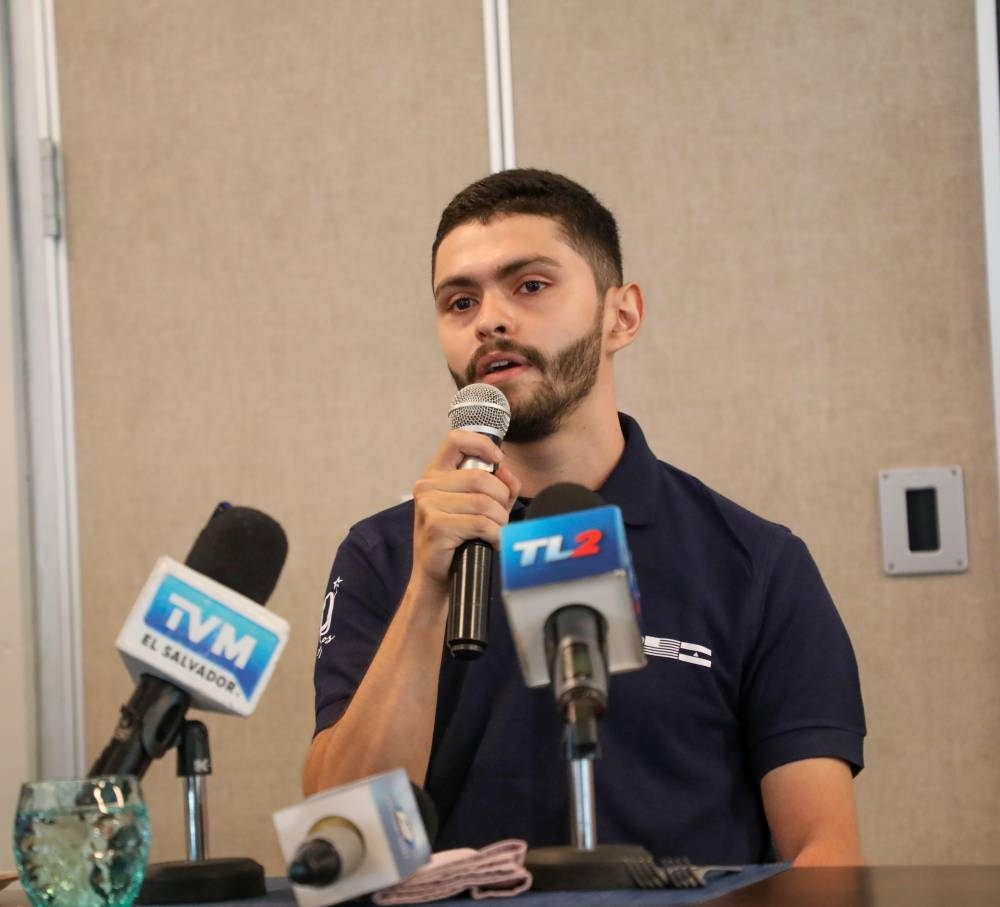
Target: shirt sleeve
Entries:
(357, 609)
(801, 693)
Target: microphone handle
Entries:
(575, 645)
(147, 727)
(468, 610)
(469, 603)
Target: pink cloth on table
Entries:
(495, 871)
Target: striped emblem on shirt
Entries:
(689, 652)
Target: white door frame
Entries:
(41, 293)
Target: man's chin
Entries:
(530, 431)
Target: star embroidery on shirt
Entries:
(328, 605)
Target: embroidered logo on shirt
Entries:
(325, 636)
(689, 652)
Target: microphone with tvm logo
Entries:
(198, 636)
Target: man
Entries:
(720, 760)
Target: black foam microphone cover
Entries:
(563, 497)
(428, 812)
(317, 863)
(241, 548)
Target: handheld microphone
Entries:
(570, 550)
(484, 409)
(198, 636)
(356, 839)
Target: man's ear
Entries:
(624, 310)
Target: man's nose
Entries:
(496, 315)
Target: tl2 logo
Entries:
(588, 543)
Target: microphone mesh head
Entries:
(482, 408)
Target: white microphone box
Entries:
(384, 811)
(575, 558)
(218, 645)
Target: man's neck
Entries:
(585, 450)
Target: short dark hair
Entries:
(589, 227)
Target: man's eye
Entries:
(533, 286)
(462, 304)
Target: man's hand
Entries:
(453, 505)
(810, 810)
(390, 720)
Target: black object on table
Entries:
(199, 879)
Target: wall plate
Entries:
(923, 520)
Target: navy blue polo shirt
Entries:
(749, 667)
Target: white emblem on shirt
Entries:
(690, 652)
(326, 622)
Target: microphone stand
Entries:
(194, 765)
(575, 644)
(199, 879)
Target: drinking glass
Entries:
(81, 843)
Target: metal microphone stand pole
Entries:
(194, 765)
(583, 817)
(199, 879)
(575, 641)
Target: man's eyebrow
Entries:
(501, 273)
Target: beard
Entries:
(567, 378)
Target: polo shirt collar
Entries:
(631, 484)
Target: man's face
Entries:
(518, 307)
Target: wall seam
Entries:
(989, 131)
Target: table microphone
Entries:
(355, 839)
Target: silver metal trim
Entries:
(989, 131)
(499, 84)
(584, 820)
(51, 188)
(44, 301)
(195, 818)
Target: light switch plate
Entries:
(944, 485)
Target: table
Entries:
(870, 886)
(873, 886)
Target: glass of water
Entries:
(81, 843)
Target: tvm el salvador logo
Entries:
(209, 631)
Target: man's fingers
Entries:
(460, 444)
(455, 505)
(449, 530)
(463, 504)
(473, 482)
(512, 482)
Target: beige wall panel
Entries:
(799, 194)
(252, 190)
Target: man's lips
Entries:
(503, 375)
(495, 366)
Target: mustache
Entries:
(530, 355)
